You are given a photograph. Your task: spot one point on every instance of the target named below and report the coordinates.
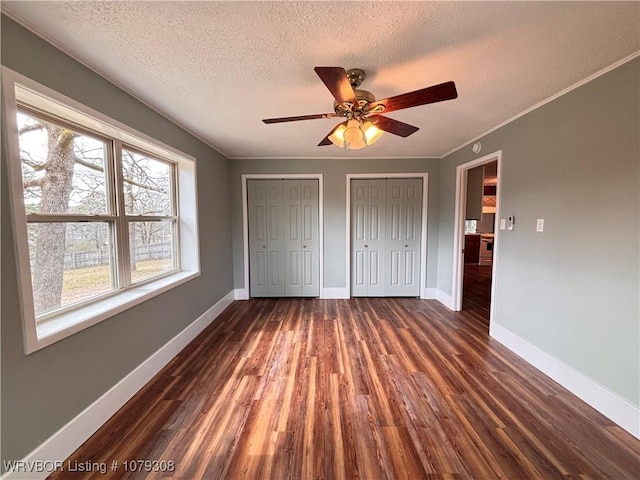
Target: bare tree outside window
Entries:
(152, 249)
(71, 206)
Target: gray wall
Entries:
(43, 391)
(573, 290)
(335, 191)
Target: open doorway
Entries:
(480, 212)
(475, 239)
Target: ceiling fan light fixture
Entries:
(337, 137)
(354, 138)
(354, 135)
(371, 132)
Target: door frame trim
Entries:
(423, 233)
(458, 230)
(244, 293)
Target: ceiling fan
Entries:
(364, 123)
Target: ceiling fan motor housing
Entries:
(364, 98)
(355, 76)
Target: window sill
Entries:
(64, 325)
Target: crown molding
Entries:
(591, 77)
(403, 157)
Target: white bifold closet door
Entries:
(283, 238)
(386, 226)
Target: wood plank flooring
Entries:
(356, 389)
(476, 292)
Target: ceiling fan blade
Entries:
(303, 117)
(325, 140)
(335, 78)
(436, 93)
(393, 126)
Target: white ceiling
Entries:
(218, 68)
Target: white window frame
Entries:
(53, 327)
(126, 219)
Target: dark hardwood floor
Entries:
(356, 389)
(476, 292)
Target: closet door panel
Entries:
(284, 243)
(394, 251)
(376, 241)
(310, 237)
(412, 233)
(293, 238)
(359, 236)
(275, 239)
(257, 213)
(386, 228)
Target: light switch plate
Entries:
(503, 224)
(540, 225)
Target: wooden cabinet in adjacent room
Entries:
(471, 248)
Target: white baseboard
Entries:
(445, 299)
(241, 294)
(343, 293)
(429, 294)
(437, 294)
(339, 292)
(66, 440)
(610, 404)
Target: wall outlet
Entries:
(503, 224)
(540, 225)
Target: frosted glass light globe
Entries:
(371, 132)
(354, 136)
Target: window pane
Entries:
(470, 226)
(70, 262)
(62, 171)
(147, 185)
(152, 249)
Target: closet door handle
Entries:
(366, 246)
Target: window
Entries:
(104, 216)
(150, 208)
(470, 226)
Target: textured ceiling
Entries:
(218, 68)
